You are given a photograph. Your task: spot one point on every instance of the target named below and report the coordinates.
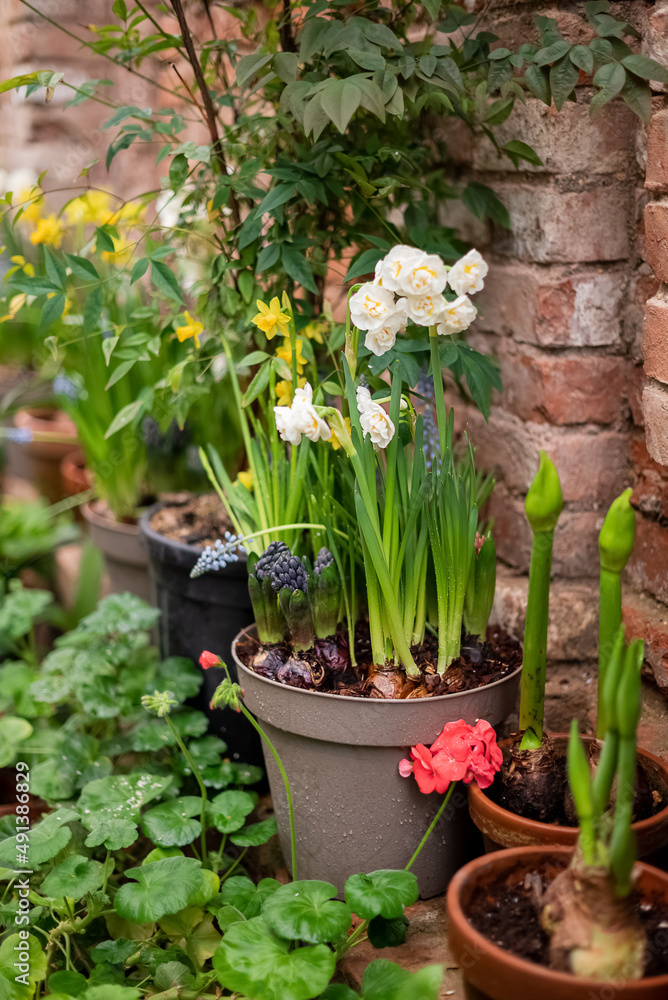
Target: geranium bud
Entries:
(207, 660)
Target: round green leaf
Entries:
(385, 933)
(115, 834)
(172, 974)
(73, 877)
(71, 983)
(161, 887)
(13, 731)
(119, 797)
(383, 893)
(253, 961)
(46, 839)
(255, 834)
(247, 897)
(10, 988)
(171, 824)
(228, 810)
(159, 853)
(307, 911)
(114, 952)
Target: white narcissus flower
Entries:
(458, 316)
(426, 310)
(426, 275)
(287, 425)
(306, 417)
(371, 306)
(391, 270)
(466, 276)
(373, 419)
(381, 339)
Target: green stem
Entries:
(609, 621)
(439, 395)
(532, 697)
(286, 782)
(234, 865)
(193, 767)
(432, 825)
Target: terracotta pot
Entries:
(124, 551)
(353, 811)
(39, 461)
(490, 973)
(75, 477)
(502, 828)
(204, 613)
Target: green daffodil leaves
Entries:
(254, 961)
(383, 893)
(171, 824)
(307, 911)
(74, 877)
(163, 887)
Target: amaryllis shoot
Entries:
(615, 544)
(543, 506)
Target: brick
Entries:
(565, 390)
(568, 141)
(655, 409)
(657, 152)
(573, 628)
(655, 37)
(655, 337)
(650, 488)
(648, 566)
(553, 306)
(593, 466)
(637, 383)
(549, 225)
(575, 541)
(647, 619)
(656, 238)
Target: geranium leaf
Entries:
(255, 834)
(115, 834)
(171, 824)
(73, 877)
(254, 961)
(247, 897)
(162, 887)
(119, 797)
(307, 911)
(10, 987)
(228, 810)
(384, 893)
(385, 933)
(46, 839)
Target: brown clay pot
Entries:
(490, 973)
(501, 828)
(75, 477)
(40, 461)
(123, 548)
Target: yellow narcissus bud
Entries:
(545, 501)
(615, 542)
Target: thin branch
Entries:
(287, 38)
(160, 29)
(209, 110)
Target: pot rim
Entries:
(104, 522)
(539, 975)
(483, 803)
(146, 529)
(352, 698)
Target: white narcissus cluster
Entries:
(418, 280)
(301, 418)
(373, 419)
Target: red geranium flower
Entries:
(207, 660)
(461, 753)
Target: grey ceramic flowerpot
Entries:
(124, 553)
(353, 811)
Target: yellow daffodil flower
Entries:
(270, 318)
(49, 231)
(31, 211)
(284, 391)
(191, 328)
(122, 252)
(93, 206)
(246, 479)
(130, 213)
(285, 352)
(15, 305)
(334, 441)
(315, 330)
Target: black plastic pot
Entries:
(205, 613)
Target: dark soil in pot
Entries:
(507, 908)
(557, 808)
(204, 613)
(327, 667)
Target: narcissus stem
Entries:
(439, 396)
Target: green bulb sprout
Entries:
(543, 506)
(480, 589)
(589, 915)
(615, 544)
